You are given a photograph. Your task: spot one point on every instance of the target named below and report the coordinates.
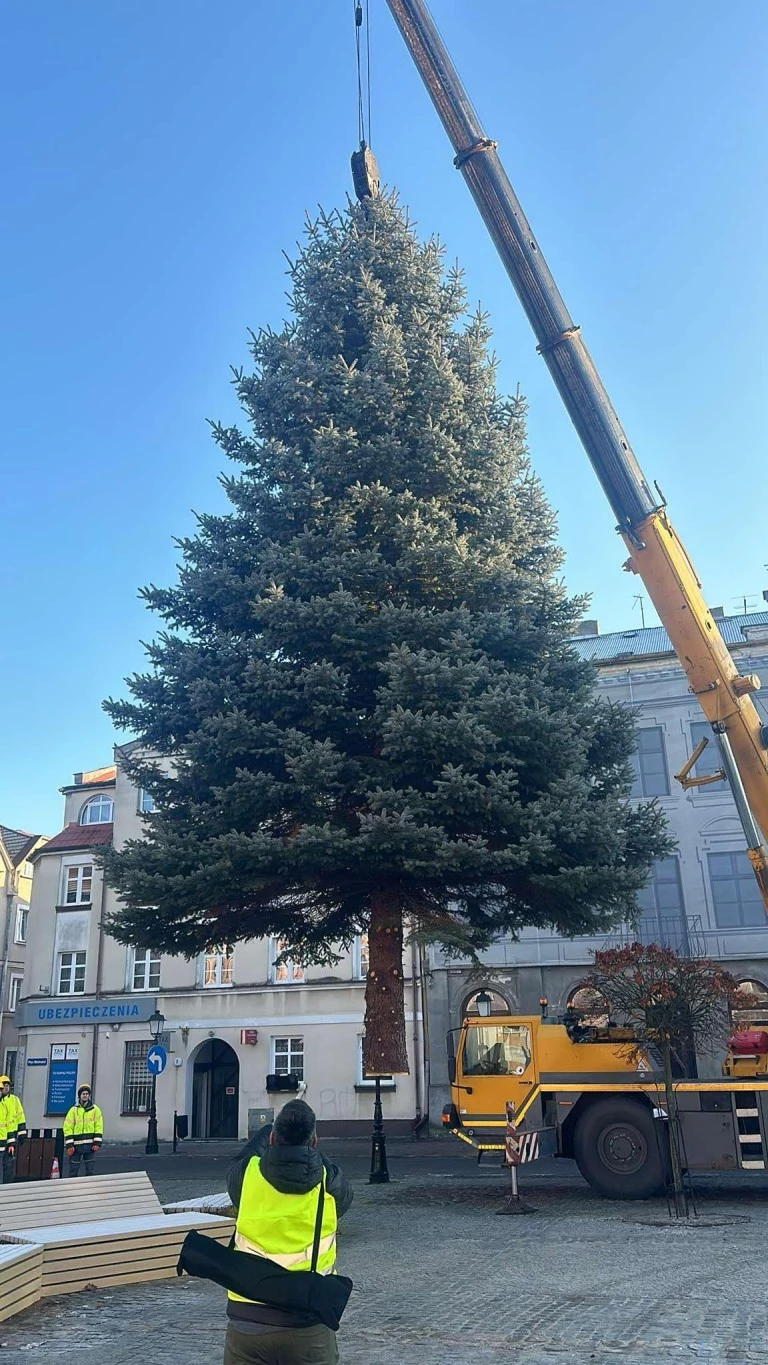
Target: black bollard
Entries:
(379, 1170)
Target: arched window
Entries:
(498, 1004)
(752, 1008)
(97, 811)
(590, 1005)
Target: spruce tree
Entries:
(364, 683)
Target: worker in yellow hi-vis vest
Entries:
(13, 1128)
(83, 1132)
(276, 1185)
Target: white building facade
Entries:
(232, 1018)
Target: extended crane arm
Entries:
(656, 553)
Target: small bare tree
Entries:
(669, 1002)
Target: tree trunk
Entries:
(384, 1046)
(681, 1203)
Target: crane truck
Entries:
(573, 1081)
(581, 1090)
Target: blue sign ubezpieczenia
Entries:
(157, 1058)
(32, 1013)
(62, 1084)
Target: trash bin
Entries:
(34, 1157)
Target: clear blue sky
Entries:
(159, 157)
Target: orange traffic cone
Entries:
(55, 1172)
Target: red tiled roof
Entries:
(78, 836)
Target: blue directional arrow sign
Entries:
(157, 1059)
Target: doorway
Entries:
(215, 1091)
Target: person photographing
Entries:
(285, 1193)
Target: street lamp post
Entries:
(379, 1169)
(156, 1026)
(483, 1002)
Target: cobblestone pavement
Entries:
(441, 1280)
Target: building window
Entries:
(9, 1065)
(97, 811)
(146, 802)
(14, 987)
(27, 870)
(78, 883)
(589, 1005)
(709, 762)
(361, 957)
(284, 973)
(497, 1050)
(71, 974)
(217, 968)
(137, 1084)
(146, 970)
(21, 922)
(735, 893)
(751, 1011)
(369, 1082)
(662, 918)
(651, 776)
(288, 1057)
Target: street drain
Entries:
(690, 1224)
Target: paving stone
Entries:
(441, 1280)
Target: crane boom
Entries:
(655, 552)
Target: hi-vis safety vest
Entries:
(13, 1124)
(83, 1128)
(282, 1226)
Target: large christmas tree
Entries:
(365, 682)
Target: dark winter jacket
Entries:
(292, 1170)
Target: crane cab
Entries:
(527, 1059)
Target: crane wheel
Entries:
(621, 1150)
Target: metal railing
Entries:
(683, 933)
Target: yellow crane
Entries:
(576, 1088)
(656, 553)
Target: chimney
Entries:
(586, 628)
(717, 612)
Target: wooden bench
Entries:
(101, 1230)
(21, 1277)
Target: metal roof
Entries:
(17, 843)
(624, 645)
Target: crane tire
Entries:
(621, 1150)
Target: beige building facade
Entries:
(232, 1018)
(16, 874)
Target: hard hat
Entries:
(5, 1080)
(83, 1087)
